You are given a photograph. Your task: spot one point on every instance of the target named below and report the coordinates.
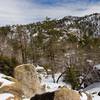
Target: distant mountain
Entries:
(89, 24)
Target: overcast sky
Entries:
(28, 11)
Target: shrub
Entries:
(71, 76)
(7, 65)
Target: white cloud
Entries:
(25, 11)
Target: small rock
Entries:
(99, 93)
(94, 93)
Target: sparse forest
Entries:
(53, 44)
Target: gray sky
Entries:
(28, 11)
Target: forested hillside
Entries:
(52, 43)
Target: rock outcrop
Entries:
(28, 79)
(61, 94)
(66, 94)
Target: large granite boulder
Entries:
(61, 94)
(66, 94)
(28, 78)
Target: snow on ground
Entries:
(89, 61)
(83, 97)
(39, 68)
(93, 90)
(36, 34)
(3, 80)
(5, 96)
(50, 86)
(97, 66)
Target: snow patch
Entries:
(5, 96)
(97, 66)
(4, 81)
(83, 97)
